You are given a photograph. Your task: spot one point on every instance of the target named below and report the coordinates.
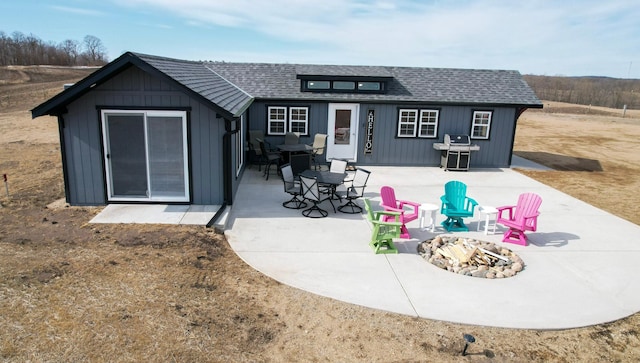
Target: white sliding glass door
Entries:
(146, 155)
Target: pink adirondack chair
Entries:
(408, 210)
(521, 217)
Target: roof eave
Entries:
(57, 104)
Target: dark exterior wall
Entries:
(134, 88)
(391, 150)
(257, 119)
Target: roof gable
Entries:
(192, 77)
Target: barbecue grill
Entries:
(455, 152)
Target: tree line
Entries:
(596, 91)
(25, 50)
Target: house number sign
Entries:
(368, 145)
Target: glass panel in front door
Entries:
(127, 155)
(342, 129)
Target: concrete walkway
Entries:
(581, 264)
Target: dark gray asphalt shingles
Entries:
(234, 85)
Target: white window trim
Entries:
(305, 121)
(422, 124)
(487, 126)
(240, 139)
(105, 113)
(288, 121)
(271, 121)
(414, 122)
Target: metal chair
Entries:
(353, 192)
(338, 166)
(319, 144)
(311, 193)
(293, 187)
(254, 147)
(269, 158)
(291, 138)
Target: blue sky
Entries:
(545, 37)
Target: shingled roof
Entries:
(232, 87)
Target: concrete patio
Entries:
(580, 264)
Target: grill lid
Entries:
(457, 140)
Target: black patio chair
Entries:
(269, 158)
(353, 192)
(293, 187)
(311, 192)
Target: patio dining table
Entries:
(327, 179)
(298, 155)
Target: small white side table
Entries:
(430, 209)
(489, 214)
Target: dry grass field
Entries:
(75, 292)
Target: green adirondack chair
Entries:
(456, 205)
(383, 232)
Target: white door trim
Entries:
(342, 141)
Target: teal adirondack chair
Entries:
(519, 218)
(456, 206)
(383, 232)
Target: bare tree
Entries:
(71, 49)
(95, 52)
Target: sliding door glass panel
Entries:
(166, 157)
(127, 156)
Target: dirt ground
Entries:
(71, 291)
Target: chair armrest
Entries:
(395, 224)
(391, 209)
(377, 214)
(532, 216)
(508, 208)
(472, 201)
(411, 204)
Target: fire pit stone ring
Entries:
(471, 257)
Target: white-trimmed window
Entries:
(407, 123)
(276, 120)
(418, 123)
(428, 123)
(240, 137)
(298, 119)
(281, 119)
(481, 124)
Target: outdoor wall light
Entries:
(468, 338)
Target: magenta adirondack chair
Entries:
(408, 210)
(521, 217)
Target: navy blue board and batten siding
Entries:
(214, 94)
(133, 89)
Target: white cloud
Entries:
(532, 36)
(75, 10)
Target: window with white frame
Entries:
(281, 119)
(277, 120)
(481, 124)
(418, 123)
(428, 126)
(240, 137)
(298, 119)
(407, 123)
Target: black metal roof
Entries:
(232, 87)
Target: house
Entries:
(151, 129)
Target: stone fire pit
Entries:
(471, 257)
